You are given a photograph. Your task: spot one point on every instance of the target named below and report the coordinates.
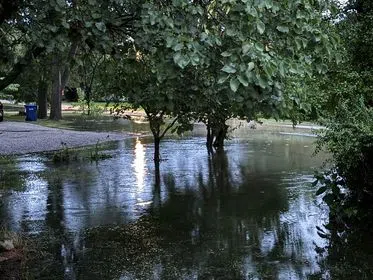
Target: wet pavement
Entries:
(23, 138)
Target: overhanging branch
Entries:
(20, 66)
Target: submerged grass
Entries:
(10, 176)
(66, 154)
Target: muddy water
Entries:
(246, 213)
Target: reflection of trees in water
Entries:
(226, 224)
(223, 229)
(64, 246)
(223, 225)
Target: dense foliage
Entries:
(190, 60)
(348, 136)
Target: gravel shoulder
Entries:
(23, 138)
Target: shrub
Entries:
(348, 186)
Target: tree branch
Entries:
(169, 126)
(20, 66)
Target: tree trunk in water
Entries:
(157, 141)
(42, 99)
(221, 136)
(209, 139)
(157, 187)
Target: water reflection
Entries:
(139, 164)
(246, 213)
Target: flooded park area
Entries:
(248, 212)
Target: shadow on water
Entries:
(247, 213)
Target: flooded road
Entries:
(247, 213)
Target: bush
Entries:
(348, 186)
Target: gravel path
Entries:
(23, 138)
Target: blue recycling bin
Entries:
(31, 112)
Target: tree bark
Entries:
(42, 99)
(56, 112)
(209, 138)
(61, 73)
(87, 97)
(157, 188)
(157, 142)
(221, 136)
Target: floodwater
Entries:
(249, 212)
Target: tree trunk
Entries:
(157, 188)
(42, 99)
(87, 92)
(221, 136)
(157, 142)
(56, 110)
(209, 139)
(61, 73)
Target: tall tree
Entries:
(59, 27)
(153, 83)
(347, 187)
(246, 50)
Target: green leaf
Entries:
(234, 84)
(246, 48)
(259, 47)
(178, 47)
(100, 26)
(222, 79)
(170, 42)
(96, 15)
(250, 66)
(226, 54)
(261, 82)
(170, 22)
(268, 4)
(260, 26)
(283, 29)
(249, 75)
(229, 69)
(217, 41)
(65, 24)
(321, 190)
(61, 3)
(243, 80)
(231, 32)
(253, 12)
(194, 58)
(293, 69)
(52, 28)
(299, 43)
(181, 60)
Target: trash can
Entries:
(31, 112)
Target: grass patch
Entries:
(67, 155)
(96, 155)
